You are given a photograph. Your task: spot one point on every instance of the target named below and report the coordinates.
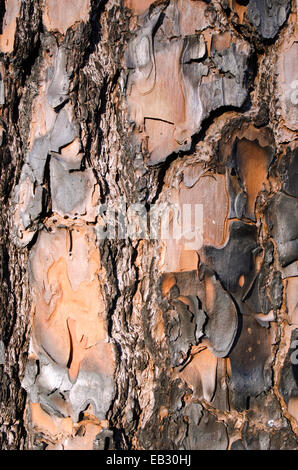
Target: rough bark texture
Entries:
(144, 343)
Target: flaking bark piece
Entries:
(71, 190)
(282, 219)
(268, 16)
(288, 170)
(59, 87)
(288, 385)
(257, 295)
(184, 328)
(222, 315)
(200, 429)
(63, 133)
(236, 258)
(251, 372)
(185, 321)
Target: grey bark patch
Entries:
(63, 133)
(192, 73)
(49, 385)
(38, 156)
(194, 48)
(181, 329)
(33, 209)
(237, 445)
(2, 352)
(194, 412)
(69, 190)
(261, 441)
(282, 218)
(208, 434)
(221, 92)
(288, 170)
(268, 17)
(53, 389)
(2, 91)
(90, 388)
(251, 372)
(139, 54)
(189, 283)
(276, 290)
(59, 87)
(222, 315)
(284, 439)
(28, 382)
(236, 258)
(191, 175)
(257, 295)
(185, 322)
(29, 198)
(231, 60)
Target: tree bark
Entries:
(111, 336)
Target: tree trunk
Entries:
(148, 224)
